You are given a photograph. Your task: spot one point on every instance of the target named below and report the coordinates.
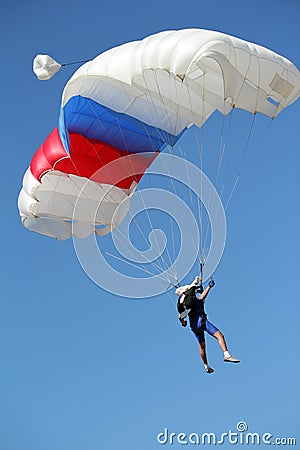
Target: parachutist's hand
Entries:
(211, 283)
(182, 321)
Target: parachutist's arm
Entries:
(205, 293)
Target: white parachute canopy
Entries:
(45, 67)
(137, 98)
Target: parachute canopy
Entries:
(132, 101)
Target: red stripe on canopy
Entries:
(87, 157)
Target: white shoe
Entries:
(231, 358)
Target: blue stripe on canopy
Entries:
(86, 117)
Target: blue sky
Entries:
(82, 369)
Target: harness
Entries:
(187, 303)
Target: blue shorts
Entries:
(198, 328)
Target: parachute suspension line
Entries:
(211, 204)
(121, 259)
(172, 228)
(221, 150)
(165, 266)
(267, 127)
(156, 265)
(98, 119)
(224, 138)
(168, 171)
(146, 260)
(130, 263)
(201, 149)
(222, 146)
(200, 204)
(242, 163)
(174, 131)
(203, 251)
(201, 270)
(75, 62)
(247, 143)
(228, 133)
(198, 133)
(251, 128)
(198, 248)
(184, 156)
(225, 135)
(233, 107)
(178, 194)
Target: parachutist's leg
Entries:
(208, 369)
(221, 340)
(227, 356)
(203, 352)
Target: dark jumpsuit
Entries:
(198, 321)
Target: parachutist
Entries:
(191, 299)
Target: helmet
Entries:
(181, 289)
